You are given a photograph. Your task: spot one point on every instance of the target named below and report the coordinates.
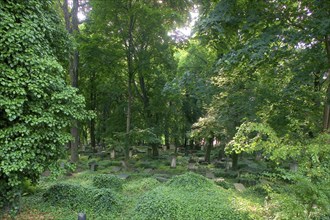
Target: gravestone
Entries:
(239, 187)
(294, 167)
(113, 154)
(192, 166)
(123, 176)
(162, 177)
(210, 175)
(93, 166)
(229, 165)
(147, 170)
(173, 162)
(81, 216)
(218, 180)
(124, 164)
(116, 169)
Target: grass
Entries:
(134, 188)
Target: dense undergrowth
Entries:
(157, 191)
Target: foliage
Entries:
(79, 197)
(182, 199)
(307, 196)
(127, 58)
(36, 104)
(141, 185)
(108, 181)
(190, 181)
(303, 198)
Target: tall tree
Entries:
(272, 56)
(71, 24)
(37, 106)
(139, 31)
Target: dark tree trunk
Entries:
(92, 134)
(92, 107)
(208, 150)
(326, 114)
(72, 27)
(155, 152)
(221, 153)
(74, 62)
(235, 161)
(75, 142)
(130, 70)
(167, 138)
(186, 150)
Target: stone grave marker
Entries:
(239, 187)
(123, 176)
(116, 169)
(210, 175)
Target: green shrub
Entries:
(108, 181)
(81, 198)
(189, 196)
(141, 185)
(190, 181)
(301, 200)
(225, 184)
(160, 203)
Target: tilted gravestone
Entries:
(81, 216)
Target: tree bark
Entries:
(71, 24)
(326, 114)
(235, 161)
(74, 62)
(130, 70)
(155, 152)
(207, 157)
(93, 108)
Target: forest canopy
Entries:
(84, 77)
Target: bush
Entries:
(141, 185)
(81, 198)
(160, 203)
(189, 196)
(190, 181)
(225, 184)
(108, 181)
(36, 103)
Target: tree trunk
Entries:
(235, 161)
(326, 114)
(186, 146)
(130, 70)
(92, 135)
(209, 144)
(167, 138)
(221, 153)
(155, 152)
(93, 108)
(74, 143)
(72, 27)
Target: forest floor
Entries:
(142, 178)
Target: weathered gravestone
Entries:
(81, 216)
(93, 166)
(123, 176)
(116, 169)
(210, 175)
(239, 187)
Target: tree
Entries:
(71, 25)
(137, 32)
(37, 105)
(271, 59)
